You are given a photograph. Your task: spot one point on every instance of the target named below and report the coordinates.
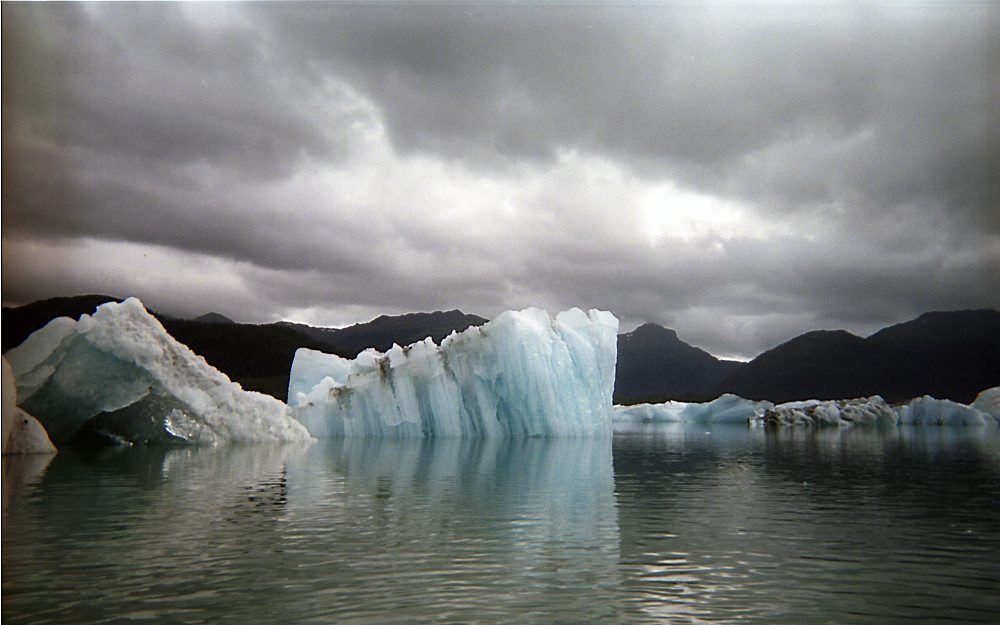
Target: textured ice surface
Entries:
(119, 373)
(836, 413)
(726, 408)
(22, 433)
(522, 374)
(927, 410)
(988, 401)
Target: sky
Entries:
(741, 173)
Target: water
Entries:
(667, 525)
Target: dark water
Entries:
(666, 525)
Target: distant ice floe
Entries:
(865, 411)
(927, 410)
(726, 408)
(522, 374)
(869, 411)
(117, 373)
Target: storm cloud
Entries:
(741, 174)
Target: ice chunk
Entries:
(310, 367)
(120, 374)
(522, 374)
(22, 433)
(726, 408)
(989, 402)
(927, 410)
(667, 412)
(836, 413)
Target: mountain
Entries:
(383, 331)
(823, 364)
(655, 365)
(213, 317)
(950, 355)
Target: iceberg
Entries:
(831, 413)
(726, 408)
(988, 401)
(22, 433)
(522, 374)
(119, 374)
(927, 410)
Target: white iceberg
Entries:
(988, 401)
(727, 408)
(927, 410)
(118, 373)
(522, 374)
(834, 413)
(22, 433)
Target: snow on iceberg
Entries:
(726, 408)
(22, 433)
(119, 374)
(522, 374)
(927, 410)
(835, 412)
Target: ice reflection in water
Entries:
(340, 531)
(716, 525)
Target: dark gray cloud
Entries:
(741, 173)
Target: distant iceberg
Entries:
(117, 373)
(726, 408)
(522, 374)
(989, 402)
(927, 410)
(830, 413)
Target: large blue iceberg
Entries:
(522, 374)
(117, 373)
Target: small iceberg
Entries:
(120, 375)
(727, 408)
(927, 410)
(522, 374)
(868, 411)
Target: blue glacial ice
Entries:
(117, 373)
(522, 374)
(726, 408)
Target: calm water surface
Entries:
(664, 524)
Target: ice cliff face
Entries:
(831, 413)
(118, 373)
(726, 408)
(522, 374)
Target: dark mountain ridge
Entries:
(950, 355)
(655, 365)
